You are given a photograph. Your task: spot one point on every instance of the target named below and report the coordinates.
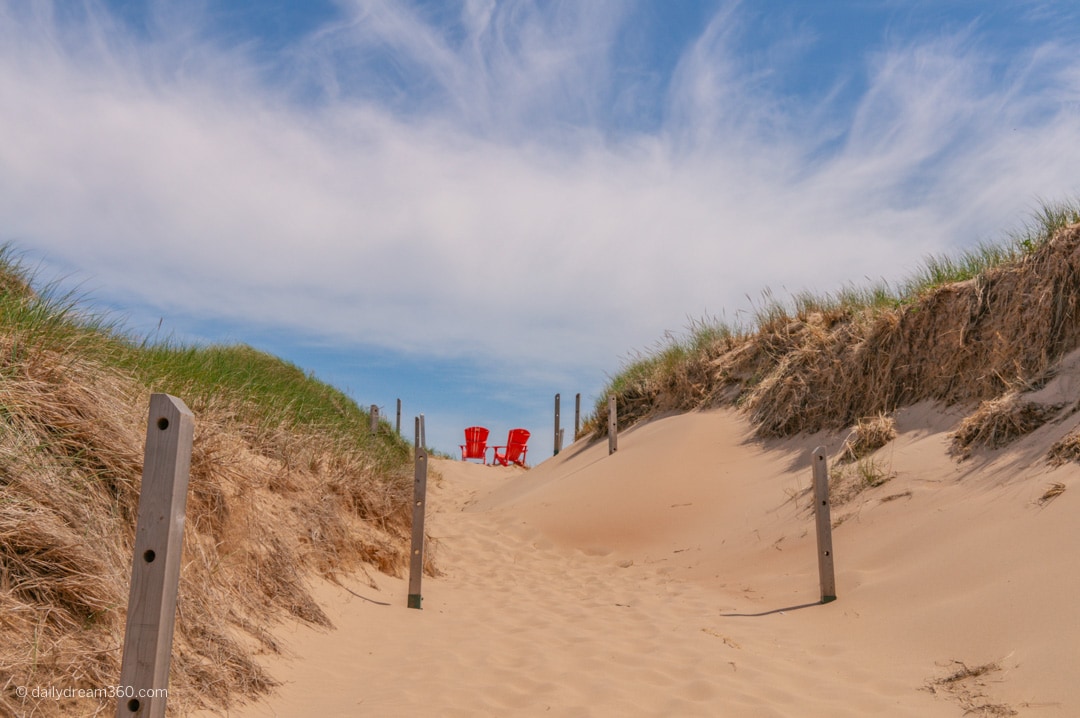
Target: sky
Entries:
(473, 205)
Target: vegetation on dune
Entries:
(868, 435)
(287, 482)
(971, 328)
(996, 422)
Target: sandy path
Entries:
(682, 584)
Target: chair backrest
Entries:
(515, 444)
(475, 442)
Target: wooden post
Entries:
(824, 526)
(397, 422)
(558, 446)
(374, 418)
(577, 415)
(423, 434)
(416, 443)
(155, 572)
(612, 426)
(416, 555)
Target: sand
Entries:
(678, 577)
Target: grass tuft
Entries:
(1052, 492)
(868, 435)
(1065, 449)
(996, 422)
(849, 480)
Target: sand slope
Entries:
(678, 577)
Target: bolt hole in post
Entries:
(163, 423)
(149, 556)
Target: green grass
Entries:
(265, 390)
(273, 390)
(46, 319)
(1042, 224)
(269, 392)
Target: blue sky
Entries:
(474, 205)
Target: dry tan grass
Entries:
(968, 341)
(849, 480)
(1065, 449)
(266, 512)
(967, 686)
(996, 422)
(1052, 492)
(670, 380)
(964, 342)
(867, 436)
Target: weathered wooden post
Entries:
(423, 433)
(374, 418)
(558, 443)
(155, 571)
(577, 415)
(612, 426)
(824, 526)
(416, 555)
(397, 422)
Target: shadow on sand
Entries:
(774, 611)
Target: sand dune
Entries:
(678, 577)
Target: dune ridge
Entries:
(830, 361)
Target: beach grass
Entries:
(288, 483)
(714, 361)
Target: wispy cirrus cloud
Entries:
(424, 176)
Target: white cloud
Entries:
(490, 213)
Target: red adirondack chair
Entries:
(514, 451)
(475, 446)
